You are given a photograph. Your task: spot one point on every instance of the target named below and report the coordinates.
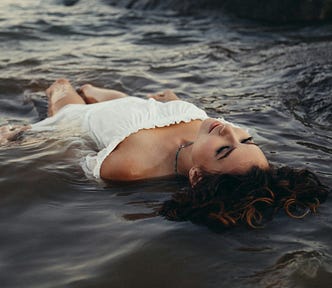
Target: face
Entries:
(223, 148)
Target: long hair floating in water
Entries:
(221, 201)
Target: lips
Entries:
(214, 125)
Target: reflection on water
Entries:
(60, 229)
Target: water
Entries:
(59, 229)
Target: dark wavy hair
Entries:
(221, 201)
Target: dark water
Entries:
(59, 229)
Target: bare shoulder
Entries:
(118, 168)
(142, 155)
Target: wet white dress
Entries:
(109, 123)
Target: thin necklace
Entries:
(177, 156)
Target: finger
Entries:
(153, 97)
(157, 95)
(4, 129)
(170, 93)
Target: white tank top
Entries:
(109, 123)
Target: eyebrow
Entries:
(230, 151)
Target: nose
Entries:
(226, 129)
(228, 132)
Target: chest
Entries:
(148, 153)
(145, 154)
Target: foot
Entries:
(60, 90)
(86, 92)
(92, 94)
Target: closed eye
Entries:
(221, 149)
(248, 140)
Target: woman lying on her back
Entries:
(230, 179)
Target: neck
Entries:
(182, 135)
(183, 160)
(177, 155)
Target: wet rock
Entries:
(281, 11)
(278, 11)
(69, 2)
(182, 6)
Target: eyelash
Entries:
(249, 139)
(221, 149)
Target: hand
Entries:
(167, 95)
(11, 133)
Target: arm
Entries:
(92, 94)
(166, 96)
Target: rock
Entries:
(67, 2)
(276, 11)
(281, 11)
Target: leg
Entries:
(92, 94)
(60, 94)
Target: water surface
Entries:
(61, 230)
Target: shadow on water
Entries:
(60, 229)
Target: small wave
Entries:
(312, 101)
(298, 266)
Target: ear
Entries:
(195, 175)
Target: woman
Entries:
(230, 179)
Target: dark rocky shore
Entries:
(276, 11)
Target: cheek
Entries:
(201, 152)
